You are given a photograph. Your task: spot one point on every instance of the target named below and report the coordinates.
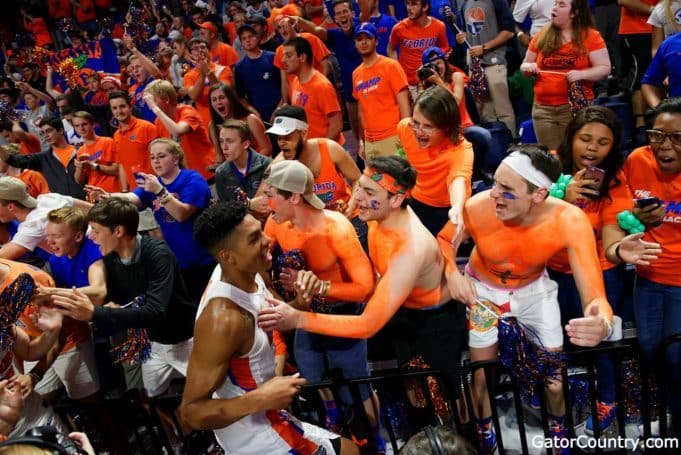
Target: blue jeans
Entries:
(657, 308)
(571, 307)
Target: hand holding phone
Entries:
(646, 206)
(647, 201)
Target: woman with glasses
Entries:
(432, 142)
(654, 171)
(591, 154)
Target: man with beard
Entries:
(380, 86)
(411, 36)
(332, 166)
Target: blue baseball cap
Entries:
(426, 56)
(367, 28)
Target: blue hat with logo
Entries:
(366, 28)
(428, 56)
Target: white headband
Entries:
(522, 165)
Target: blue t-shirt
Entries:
(68, 272)
(146, 113)
(384, 26)
(666, 63)
(347, 55)
(437, 10)
(190, 188)
(259, 81)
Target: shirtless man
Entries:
(511, 278)
(231, 387)
(412, 289)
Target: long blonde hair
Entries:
(550, 37)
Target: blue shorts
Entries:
(317, 354)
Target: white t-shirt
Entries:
(538, 10)
(658, 18)
(31, 231)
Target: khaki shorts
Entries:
(383, 147)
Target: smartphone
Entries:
(647, 201)
(597, 174)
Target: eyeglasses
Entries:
(658, 137)
(416, 127)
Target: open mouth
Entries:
(423, 141)
(588, 160)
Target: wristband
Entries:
(617, 252)
(160, 192)
(37, 375)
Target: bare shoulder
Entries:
(220, 316)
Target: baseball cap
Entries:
(257, 19)
(294, 176)
(426, 56)
(283, 126)
(209, 26)
(13, 189)
(367, 28)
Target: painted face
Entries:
(63, 239)
(282, 209)
(427, 134)
(120, 109)
(250, 247)
(163, 162)
(510, 194)
(104, 237)
(668, 151)
(591, 145)
(365, 44)
(291, 145)
(220, 103)
(344, 16)
(51, 135)
(231, 144)
(83, 127)
(415, 9)
(291, 60)
(561, 14)
(373, 201)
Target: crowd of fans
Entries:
(172, 171)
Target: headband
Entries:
(387, 182)
(522, 165)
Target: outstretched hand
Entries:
(74, 304)
(278, 316)
(633, 250)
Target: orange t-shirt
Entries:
(552, 89)
(645, 180)
(332, 253)
(40, 31)
(410, 40)
(375, 88)
(64, 154)
(224, 54)
(101, 151)
(132, 147)
(436, 167)
(319, 53)
(72, 333)
(202, 103)
(632, 22)
(510, 256)
(35, 182)
(602, 212)
(318, 97)
(198, 150)
(330, 185)
(86, 12)
(30, 145)
(464, 116)
(386, 246)
(59, 9)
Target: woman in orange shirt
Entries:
(567, 50)
(655, 171)
(225, 105)
(432, 142)
(593, 140)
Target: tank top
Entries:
(272, 431)
(330, 186)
